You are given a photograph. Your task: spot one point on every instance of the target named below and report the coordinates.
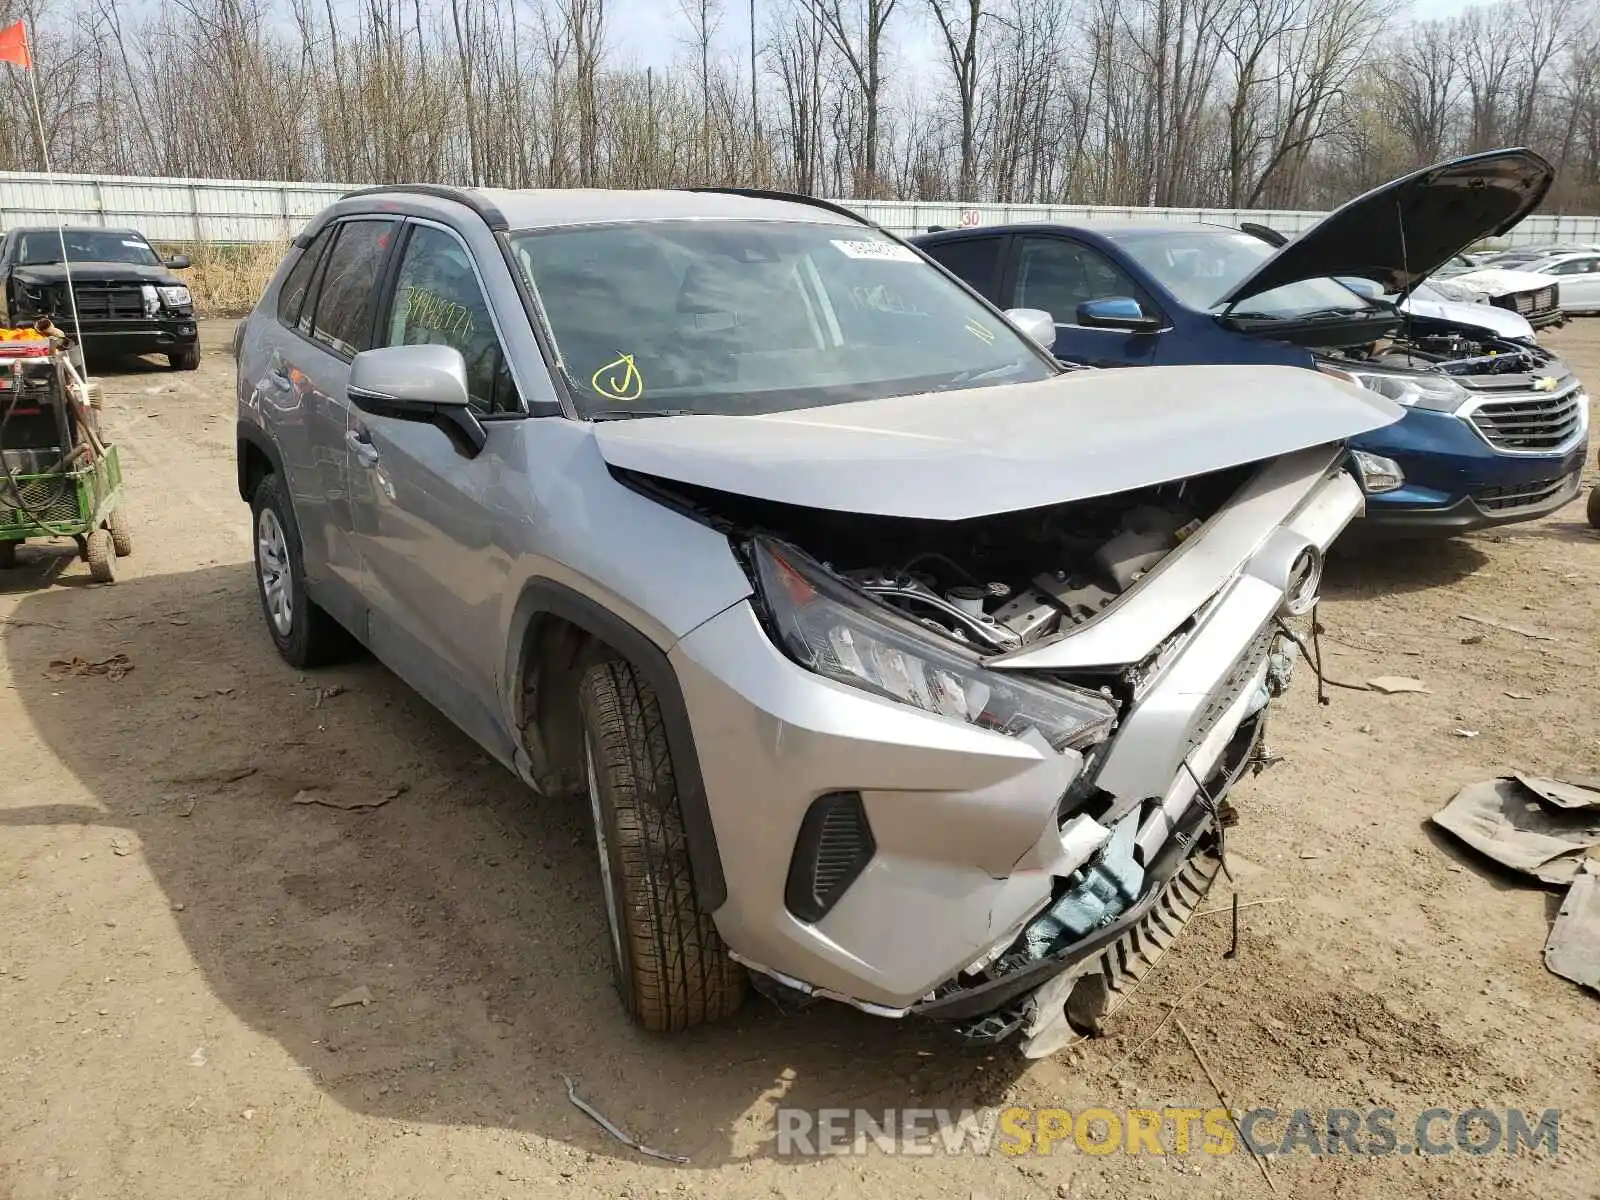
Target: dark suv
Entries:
(128, 299)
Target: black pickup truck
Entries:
(128, 299)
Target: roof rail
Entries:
(796, 198)
(469, 197)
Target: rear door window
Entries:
(293, 293)
(975, 260)
(348, 291)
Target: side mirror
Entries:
(418, 383)
(1116, 312)
(1036, 323)
(178, 262)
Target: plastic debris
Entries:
(1537, 635)
(1391, 684)
(312, 796)
(1573, 949)
(357, 995)
(1515, 826)
(626, 1139)
(1564, 792)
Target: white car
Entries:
(1577, 273)
(1537, 296)
(1430, 300)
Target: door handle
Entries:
(366, 453)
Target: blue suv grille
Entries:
(1529, 423)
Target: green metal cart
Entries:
(58, 477)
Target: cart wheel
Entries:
(8, 555)
(121, 534)
(102, 557)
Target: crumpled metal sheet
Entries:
(1508, 821)
(1564, 793)
(1573, 949)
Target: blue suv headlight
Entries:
(1436, 393)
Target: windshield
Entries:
(742, 317)
(1200, 266)
(85, 245)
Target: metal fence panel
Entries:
(239, 210)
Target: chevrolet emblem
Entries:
(1545, 383)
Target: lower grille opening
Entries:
(1520, 495)
(834, 847)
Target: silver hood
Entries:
(952, 455)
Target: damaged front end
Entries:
(1132, 643)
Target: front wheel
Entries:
(1594, 506)
(670, 966)
(187, 359)
(304, 634)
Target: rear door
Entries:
(1057, 273)
(324, 326)
(976, 260)
(424, 513)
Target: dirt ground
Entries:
(173, 927)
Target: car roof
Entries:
(117, 231)
(1109, 229)
(540, 208)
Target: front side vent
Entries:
(834, 847)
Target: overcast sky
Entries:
(654, 32)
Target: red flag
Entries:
(14, 45)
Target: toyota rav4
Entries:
(899, 665)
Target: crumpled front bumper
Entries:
(969, 845)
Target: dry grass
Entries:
(226, 280)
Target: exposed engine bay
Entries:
(996, 583)
(1432, 345)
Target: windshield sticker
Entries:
(619, 379)
(877, 251)
(982, 332)
(133, 245)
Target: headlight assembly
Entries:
(1436, 393)
(174, 297)
(827, 628)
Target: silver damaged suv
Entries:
(898, 665)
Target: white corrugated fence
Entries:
(239, 210)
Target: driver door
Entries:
(1057, 274)
(425, 514)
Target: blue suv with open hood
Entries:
(1495, 428)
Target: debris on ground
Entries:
(1391, 684)
(361, 995)
(1518, 696)
(1573, 950)
(1512, 824)
(327, 693)
(114, 667)
(595, 1115)
(1537, 635)
(122, 846)
(1466, 733)
(313, 796)
(1550, 829)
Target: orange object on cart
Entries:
(26, 342)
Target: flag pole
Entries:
(55, 202)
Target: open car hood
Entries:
(1399, 234)
(959, 454)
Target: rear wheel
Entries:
(102, 557)
(1594, 506)
(187, 359)
(8, 555)
(670, 966)
(304, 634)
(121, 534)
